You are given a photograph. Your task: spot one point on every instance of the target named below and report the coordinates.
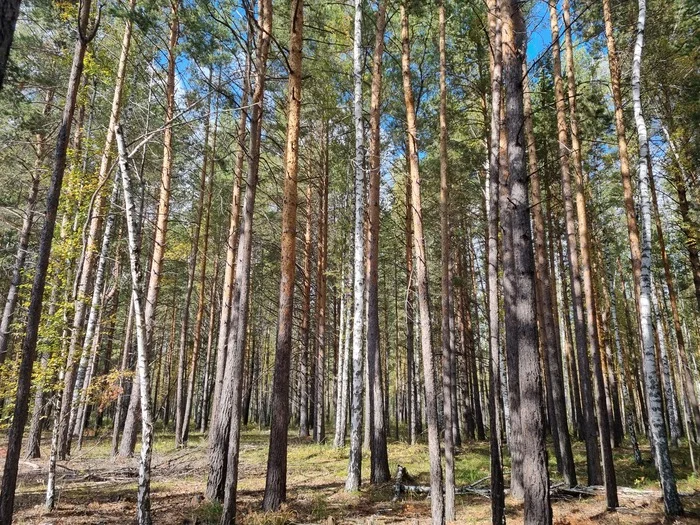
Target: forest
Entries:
(383, 261)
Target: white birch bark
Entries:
(144, 484)
(355, 462)
(672, 502)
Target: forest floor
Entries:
(94, 489)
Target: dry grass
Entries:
(93, 489)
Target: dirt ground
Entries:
(95, 489)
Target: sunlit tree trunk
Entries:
(352, 483)
(276, 480)
(126, 447)
(225, 431)
(421, 271)
(498, 510)
(662, 458)
(143, 505)
(588, 426)
(379, 457)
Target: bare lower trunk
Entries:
(379, 472)
(276, 480)
(589, 427)
(306, 314)
(223, 436)
(421, 265)
(143, 505)
(537, 508)
(672, 502)
(353, 480)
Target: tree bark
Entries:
(589, 428)
(445, 306)
(379, 472)
(276, 479)
(9, 13)
(24, 376)
(352, 483)
(498, 506)
(555, 379)
(305, 319)
(143, 505)
(421, 265)
(672, 502)
(537, 507)
(128, 442)
(232, 241)
(224, 434)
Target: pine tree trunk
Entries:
(445, 306)
(24, 377)
(588, 426)
(321, 287)
(305, 318)
(232, 241)
(498, 510)
(224, 434)
(587, 274)
(672, 502)
(128, 442)
(537, 507)
(276, 479)
(411, 389)
(352, 483)
(9, 13)
(379, 472)
(421, 265)
(555, 379)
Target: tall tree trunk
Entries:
(128, 442)
(555, 378)
(498, 510)
(321, 287)
(411, 389)
(143, 505)
(180, 393)
(445, 306)
(341, 410)
(672, 502)
(690, 396)
(587, 274)
(276, 480)
(305, 319)
(24, 376)
(199, 319)
(352, 483)
(232, 240)
(590, 435)
(421, 265)
(224, 434)
(537, 508)
(379, 458)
